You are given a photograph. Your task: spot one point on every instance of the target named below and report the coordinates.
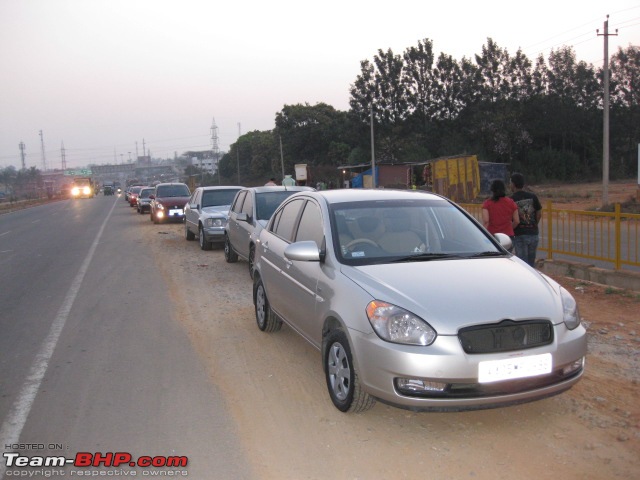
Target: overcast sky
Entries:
(104, 77)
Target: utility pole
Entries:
(214, 147)
(44, 158)
(238, 153)
(22, 154)
(373, 156)
(281, 156)
(605, 119)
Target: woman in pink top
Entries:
(500, 213)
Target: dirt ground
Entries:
(274, 387)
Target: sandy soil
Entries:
(275, 389)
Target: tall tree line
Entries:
(543, 117)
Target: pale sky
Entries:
(100, 76)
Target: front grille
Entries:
(506, 336)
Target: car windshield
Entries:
(145, 192)
(267, 202)
(135, 189)
(173, 191)
(216, 198)
(400, 230)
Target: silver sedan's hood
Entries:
(217, 209)
(451, 294)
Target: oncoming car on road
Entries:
(206, 212)
(411, 301)
(168, 201)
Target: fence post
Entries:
(549, 216)
(618, 240)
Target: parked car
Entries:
(411, 301)
(206, 213)
(133, 195)
(168, 201)
(143, 202)
(249, 213)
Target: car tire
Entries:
(229, 255)
(252, 258)
(204, 244)
(265, 318)
(155, 219)
(342, 379)
(188, 234)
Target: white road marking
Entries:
(17, 417)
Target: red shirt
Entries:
(500, 215)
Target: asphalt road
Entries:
(91, 355)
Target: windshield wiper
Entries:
(487, 254)
(425, 257)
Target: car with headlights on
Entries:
(206, 213)
(168, 201)
(411, 301)
(250, 211)
(143, 200)
(134, 191)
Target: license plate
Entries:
(175, 212)
(511, 368)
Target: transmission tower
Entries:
(64, 158)
(214, 146)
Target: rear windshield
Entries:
(216, 198)
(267, 202)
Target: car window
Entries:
(287, 219)
(247, 206)
(268, 202)
(216, 198)
(237, 205)
(310, 227)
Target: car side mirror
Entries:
(504, 240)
(242, 217)
(304, 251)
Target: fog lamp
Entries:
(572, 367)
(411, 386)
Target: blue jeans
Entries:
(526, 246)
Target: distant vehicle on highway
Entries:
(82, 187)
(206, 213)
(143, 202)
(168, 201)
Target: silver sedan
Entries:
(411, 301)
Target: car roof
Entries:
(170, 183)
(363, 195)
(280, 188)
(223, 187)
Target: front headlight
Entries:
(159, 206)
(75, 191)
(215, 222)
(86, 190)
(394, 324)
(570, 313)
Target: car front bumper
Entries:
(452, 375)
(214, 234)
